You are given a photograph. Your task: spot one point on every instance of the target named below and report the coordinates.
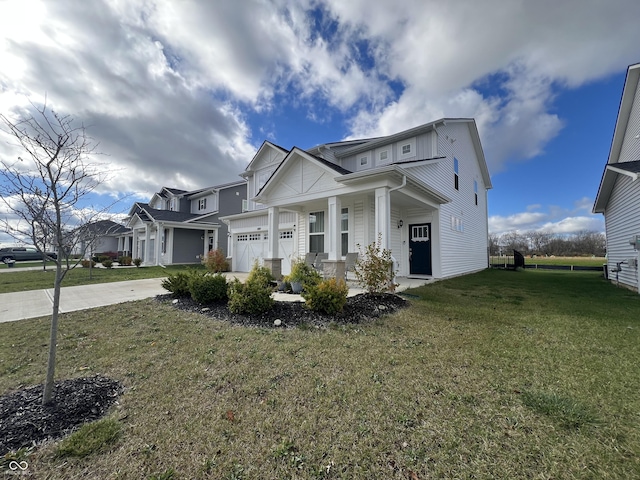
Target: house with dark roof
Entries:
(618, 196)
(179, 226)
(422, 193)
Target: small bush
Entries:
(254, 296)
(304, 274)
(137, 261)
(104, 255)
(374, 268)
(125, 260)
(328, 296)
(260, 276)
(208, 288)
(215, 261)
(108, 263)
(177, 284)
(87, 263)
(90, 438)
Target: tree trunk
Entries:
(53, 339)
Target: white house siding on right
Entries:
(630, 149)
(622, 222)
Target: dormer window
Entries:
(364, 161)
(202, 204)
(406, 149)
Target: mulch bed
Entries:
(25, 422)
(359, 308)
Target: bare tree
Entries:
(45, 193)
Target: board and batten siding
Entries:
(622, 221)
(461, 251)
(630, 150)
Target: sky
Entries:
(182, 93)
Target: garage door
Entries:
(249, 247)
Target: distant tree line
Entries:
(583, 243)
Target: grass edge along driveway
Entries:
(492, 375)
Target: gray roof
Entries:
(633, 167)
(146, 213)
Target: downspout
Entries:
(402, 185)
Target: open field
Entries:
(500, 374)
(575, 261)
(19, 281)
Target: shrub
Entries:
(260, 276)
(215, 261)
(177, 284)
(208, 288)
(87, 263)
(304, 274)
(125, 260)
(328, 296)
(374, 268)
(249, 297)
(137, 261)
(108, 263)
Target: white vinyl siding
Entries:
(630, 150)
(622, 219)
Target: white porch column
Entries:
(205, 241)
(158, 244)
(134, 244)
(274, 232)
(333, 228)
(383, 216)
(147, 242)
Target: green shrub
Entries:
(328, 296)
(250, 297)
(90, 438)
(177, 284)
(303, 274)
(87, 263)
(108, 263)
(137, 262)
(125, 260)
(260, 276)
(215, 261)
(374, 268)
(208, 288)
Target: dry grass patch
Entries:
(435, 391)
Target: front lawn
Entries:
(500, 374)
(18, 281)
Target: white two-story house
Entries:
(179, 227)
(422, 193)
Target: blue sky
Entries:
(182, 94)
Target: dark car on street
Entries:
(8, 254)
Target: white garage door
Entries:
(249, 247)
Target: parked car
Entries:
(22, 253)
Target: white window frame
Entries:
(410, 144)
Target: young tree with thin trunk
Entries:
(45, 192)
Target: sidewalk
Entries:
(38, 303)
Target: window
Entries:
(420, 233)
(344, 229)
(316, 232)
(456, 224)
(406, 149)
(242, 238)
(384, 155)
(475, 190)
(254, 236)
(245, 205)
(456, 181)
(202, 204)
(286, 234)
(364, 161)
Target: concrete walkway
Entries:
(38, 303)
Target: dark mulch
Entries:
(25, 422)
(359, 308)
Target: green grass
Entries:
(91, 438)
(20, 265)
(575, 261)
(500, 374)
(37, 279)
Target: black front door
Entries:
(420, 249)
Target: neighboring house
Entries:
(178, 226)
(619, 192)
(422, 192)
(100, 237)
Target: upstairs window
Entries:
(475, 190)
(383, 156)
(456, 172)
(364, 161)
(406, 149)
(202, 204)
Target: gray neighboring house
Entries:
(619, 192)
(179, 226)
(101, 237)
